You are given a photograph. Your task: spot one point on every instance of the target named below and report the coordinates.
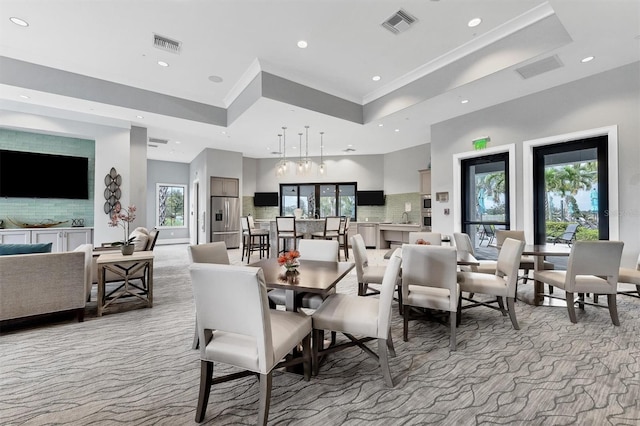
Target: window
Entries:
(171, 204)
(327, 199)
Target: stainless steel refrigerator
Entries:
(225, 221)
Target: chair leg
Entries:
(405, 329)
(613, 308)
(501, 305)
(265, 398)
(306, 356)
(512, 312)
(452, 325)
(581, 301)
(571, 307)
(196, 338)
(383, 358)
(525, 277)
(392, 350)
(315, 349)
(206, 377)
(400, 299)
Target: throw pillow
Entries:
(140, 238)
(8, 249)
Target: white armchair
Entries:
(236, 327)
(366, 317)
(593, 267)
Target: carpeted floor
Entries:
(137, 368)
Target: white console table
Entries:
(62, 239)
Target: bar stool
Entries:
(331, 229)
(286, 230)
(253, 240)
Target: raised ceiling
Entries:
(96, 62)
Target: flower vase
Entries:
(292, 269)
(127, 249)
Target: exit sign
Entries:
(481, 143)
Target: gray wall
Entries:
(606, 99)
(401, 169)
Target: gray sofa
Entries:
(35, 284)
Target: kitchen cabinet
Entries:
(225, 187)
(425, 181)
(15, 236)
(369, 233)
(61, 239)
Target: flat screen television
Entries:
(35, 175)
(370, 198)
(265, 199)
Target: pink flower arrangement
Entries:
(123, 217)
(289, 259)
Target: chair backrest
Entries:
(233, 299)
(153, 238)
(359, 255)
(209, 253)
(600, 258)
(430, 266)
(332, 224)
(246, 227)
(433, 238)
(389, 281)
(503, 234)
(463, 242)
(638, 263)
(570, 232)
(252, 224)
(285, 224)
(509, 262)
(326, 250)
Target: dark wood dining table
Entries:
(313, 277)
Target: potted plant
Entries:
(123, 217)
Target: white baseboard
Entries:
(167, 241)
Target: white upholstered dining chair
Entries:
(429, 281)
(361, 319)
(630, 276)
(237, 328)
(593, 267)
(215, 252)
(433, 238)
(323, 250)
(463, 242)
(502, 284)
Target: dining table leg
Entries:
(538, 286)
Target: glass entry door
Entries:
(570, 186)
(485, 197)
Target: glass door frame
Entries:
(457, 183)
(612, 163)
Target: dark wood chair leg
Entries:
(80, 314)
(265, 398)
(613, 308)
(405, 330)
(318, 341)
(512, 312)
(206, 377)
(383, 358)
(571, 307)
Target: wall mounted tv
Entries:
(34, 175)
(370, 198)
(265, 199)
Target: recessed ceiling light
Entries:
(215, 79)
(302, 44)
(19, 21)
(375, 78)
(163, 64)
(587, 59)
(350, 145)
(474, 22)
(178, 142)
(464, 101)
(397, 130)
(139, 116)
(380, 125)
(24, 97)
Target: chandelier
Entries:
(303, 164)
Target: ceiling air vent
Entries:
(540, 67)
(156, 140)
(152, 146)
(166, 43)
(399, 22)
(348, 150)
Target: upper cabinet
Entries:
(425, 181)
(225, 187)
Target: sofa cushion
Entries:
(140, 238)
(7, 249)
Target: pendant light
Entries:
(307, 161)
(300, 161)
(284, 150)
(322, 169)
(279, 171)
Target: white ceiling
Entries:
(347, 46)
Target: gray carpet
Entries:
(137, 368)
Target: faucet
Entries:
(405, 217)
